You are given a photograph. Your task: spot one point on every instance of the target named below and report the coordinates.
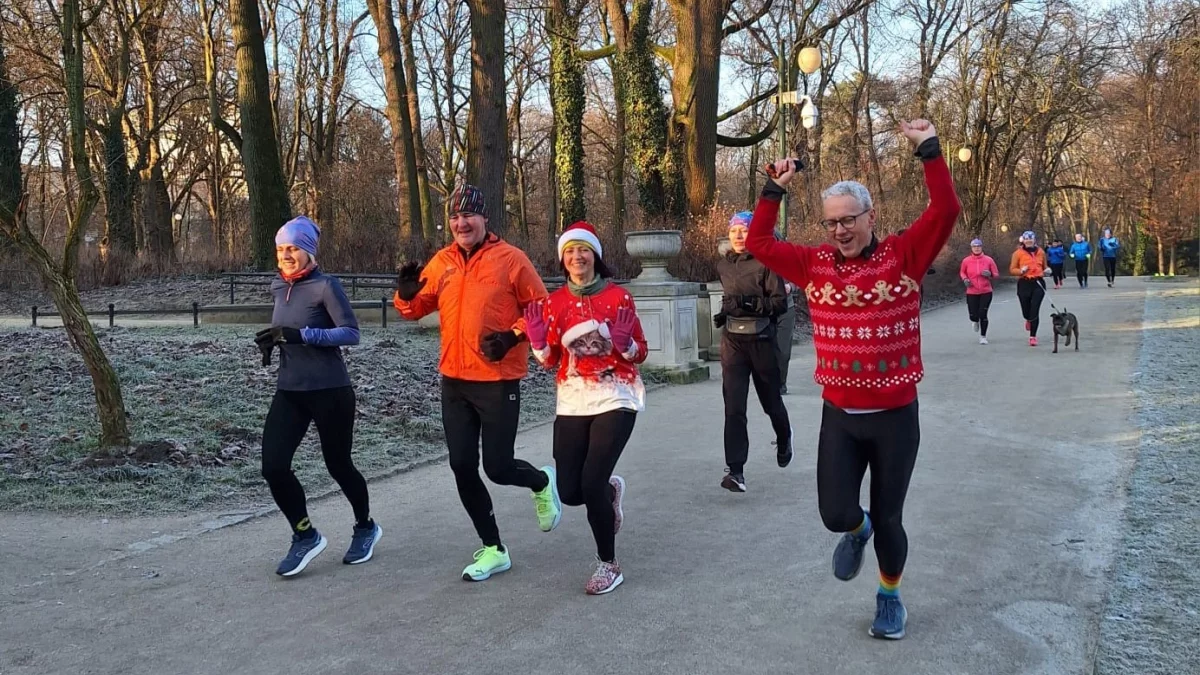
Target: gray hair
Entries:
(849, 188)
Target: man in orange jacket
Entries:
(480, 284)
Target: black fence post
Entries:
(110, 315)
(35, 316)
(231, 290)
(354, 287)
(195, 315)
(383, 311)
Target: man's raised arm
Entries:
(785, 259)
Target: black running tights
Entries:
(490, 410)
(1081, 272)
(1031, 292)
(886, 443)
(977, 308)
(1110, 269)
(332, 410)
(586, 450)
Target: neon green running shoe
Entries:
(489, 560)
(547, 503)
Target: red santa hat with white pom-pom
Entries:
(580, 233)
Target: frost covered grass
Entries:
(196, 400)
(1151, 621)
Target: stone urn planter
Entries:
(653, 249)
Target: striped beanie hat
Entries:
(740, 219)
(467, 198)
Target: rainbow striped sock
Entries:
(889, 585)
(864, 528)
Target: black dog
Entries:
(1065, 324)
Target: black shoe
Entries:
(783, 390)
(734, 482)
(783, 453)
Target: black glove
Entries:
(291, 336)
(751, 303)
(496, 345)
(719, 320)
(409, 281)
(266, 344)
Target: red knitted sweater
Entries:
(866, 312)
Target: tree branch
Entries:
(752, 101)
(748, 21)
(754, 139)
(604, 52)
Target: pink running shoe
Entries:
(1032, 342)
(618, 486)
(606, 577)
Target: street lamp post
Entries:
(808, 61)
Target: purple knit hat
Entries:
(300, 232)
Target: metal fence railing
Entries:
(384, 305)
(352, 282)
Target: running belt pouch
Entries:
(747, 325)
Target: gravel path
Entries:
(1151, 621)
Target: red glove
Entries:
(621, 330)
(535, 325)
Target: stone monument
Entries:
(666, 305)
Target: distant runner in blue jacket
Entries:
(1056, 255)
(1081, 253)
(311, 323)
(1109, 248)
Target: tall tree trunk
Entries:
(646, 116)
(1162, 263)
(487, 126)
(1171, 270)
(60, 279)
(118, 186)
(694, 92)
(399, 114)
(156, 201)
(428, 220)
(10, 149)
(270, 206)
(156, 213)
(567, 98)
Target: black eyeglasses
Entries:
(847, 222)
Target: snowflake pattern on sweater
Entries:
(866, 311)
(592, 377)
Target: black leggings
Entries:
(1110, 269)
(743, 360)
(586, 450)
(977, 308)
(1057, 270)
(1031, 292)
(1081, 272)
(886, 442)
(332, 410)
(491, 410)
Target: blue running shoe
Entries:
(302, 552)
(890, 617)
(362, 544)
(848, 556)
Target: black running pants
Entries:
(586, 450)
(977, 308)
(1110, 269)
(884, 442)
(1031, 292)
(1081, 272)
(491, 410)
(743, 360)
(1057, 270)
(332, 410)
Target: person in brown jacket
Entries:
(1029, 264)
(481, 285)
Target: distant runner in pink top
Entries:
(977, 271)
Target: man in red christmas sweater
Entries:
(864, 298)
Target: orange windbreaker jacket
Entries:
(484, 294)
(1036, 262)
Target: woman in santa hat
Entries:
(589, 329)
